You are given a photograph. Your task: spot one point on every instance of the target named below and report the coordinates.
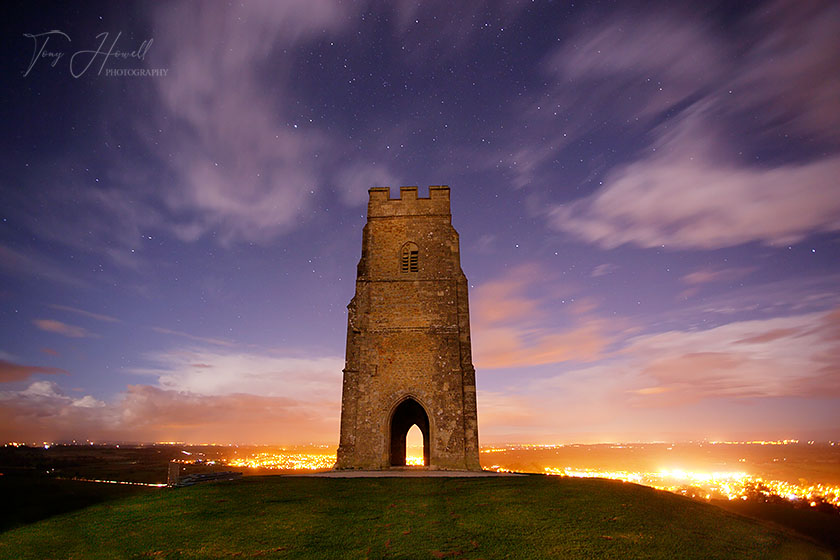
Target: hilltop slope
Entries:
(299, 517)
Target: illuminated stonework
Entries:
(408, 340)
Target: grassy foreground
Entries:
(298, 517)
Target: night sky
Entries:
(647, 198)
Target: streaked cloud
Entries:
(668, 54)
(247, 163)
(693, 186)
(743, 369)
(30, 264)
(788, 81)
(201, 394)
(210, 371)
(510, 328)
(10, 371)
(628, 68)
(208, 340)
(504, 300)
(151, 413)
(603, 270)
(710, 275)
(219, 148)
(793, 296)
(88, 314)
(499, 347)
(57, 327)
(684, 195)
(575, 404)
(796, 356)
(44, 412)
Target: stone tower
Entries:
(408, 339)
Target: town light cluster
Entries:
(717, 485)
(288, 461)
(284, 461)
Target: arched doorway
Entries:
(407, 414)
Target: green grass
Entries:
(297, 517)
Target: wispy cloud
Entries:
(681, 89)
(19, 264)
(208, 340)
(628, 69)
(229, 396)
(247, 162)
(210, 371)
(10, 371)
(788, 297)
(685, 195)
(788, 82)
(667, 54)
(89, 314)
(713, 377)
(57, 327)
(547, 409)
(221, 149)
(156, 414)
(603, 270)
(198, 395)
(43, 412)
(511, 330)
(712, 275)
(779, 357)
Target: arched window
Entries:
(409, 258)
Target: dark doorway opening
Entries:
(407, 414)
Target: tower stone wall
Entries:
(408, 339)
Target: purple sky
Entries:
(647, 197)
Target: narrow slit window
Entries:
(410, 258)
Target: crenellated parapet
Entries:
(381, 205)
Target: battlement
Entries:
(381, 204)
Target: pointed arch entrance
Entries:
(407, 414)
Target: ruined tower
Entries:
(408, 339)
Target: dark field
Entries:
(298, 517)
(27, 499)
(102, 462)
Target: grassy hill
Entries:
(298, 517)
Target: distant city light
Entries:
(284, 461)
(730, 485)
